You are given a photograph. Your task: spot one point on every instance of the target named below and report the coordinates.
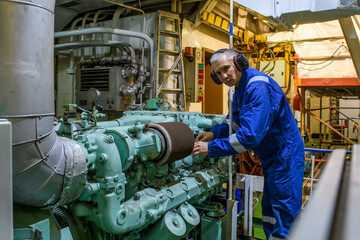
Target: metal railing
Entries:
(312, 159)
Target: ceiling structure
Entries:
(250, 14)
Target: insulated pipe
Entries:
(97, 43)
(136, 9)
(115, 21)
(120, 32)
(97, 14)
(130, 120)
(71, 70)
(47, 169)
(124, 46)
(134, 87)
(83, 26)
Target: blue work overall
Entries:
(263, 121)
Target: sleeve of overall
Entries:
(222, 130)
(255, 122)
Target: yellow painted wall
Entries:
(204, 36)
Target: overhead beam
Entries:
(353, 42)
(208, 6)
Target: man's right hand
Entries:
(205, 137)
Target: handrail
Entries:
(323, 150)
(313, 151)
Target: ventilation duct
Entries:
(47, 169)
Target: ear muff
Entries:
(215, 78)
(241, 63)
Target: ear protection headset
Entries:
(240, 61)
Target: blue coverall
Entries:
(263, 122)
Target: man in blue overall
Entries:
(263, 122)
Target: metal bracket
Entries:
(249, 183)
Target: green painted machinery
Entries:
(142, 180)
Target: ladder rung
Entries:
(175, 71)
(169, 33)
(166, 16)
(170, 52)
(172, 90)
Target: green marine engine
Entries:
(141, 180)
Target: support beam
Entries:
(207, 7)
(352, 40)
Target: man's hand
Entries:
(200, 148)
(205, 137)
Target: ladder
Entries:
(170, 78)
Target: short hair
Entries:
(230, 53)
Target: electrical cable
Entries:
(322, 67)
(327, 59)
(272, 58)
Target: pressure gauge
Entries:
(93, 95)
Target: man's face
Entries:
(226, 72)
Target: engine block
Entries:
(142, 179)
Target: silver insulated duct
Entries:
(47, 169)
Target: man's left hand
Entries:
(200, 148)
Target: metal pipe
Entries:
(307, 40)
(116, 17)
(312, 173)
(83, 23)
(322, 150)
(324, 58)
(118, 44)
(230, 106)
(115, 25)
(316, 160)
(97, 14)
(120, 32)
(231, 204)
(315, 179)
(71, 70)
(143, 28)
(315, 109)
(320, 125)
(98, 43)
(134, 87)
(47, 169)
